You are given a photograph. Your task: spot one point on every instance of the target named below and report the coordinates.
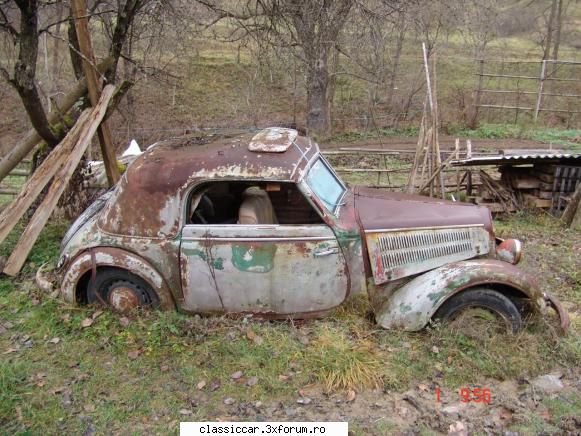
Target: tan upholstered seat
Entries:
(256, 207)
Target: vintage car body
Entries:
(410, 253)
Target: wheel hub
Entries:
(123, 298)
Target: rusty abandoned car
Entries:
(259, 223)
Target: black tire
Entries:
(481, 298)
(111, 280)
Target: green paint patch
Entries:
(405, 308)
(217, 263)
(254, 258)
(436, 296)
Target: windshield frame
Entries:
(339, 201)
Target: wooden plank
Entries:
(498, 207)
(525, 182)
(59, 184)
(79, 8)
(546, 178)
(532, 201)
(36, 183)
(19, 173)
(9, 191)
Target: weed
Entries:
(341, 363)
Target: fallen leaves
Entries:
(254, 337)
(124, 321)
(134, 354)
(88, 322)
(351, 395)
(237, 375)
(215, 385)
(457, 429)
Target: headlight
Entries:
(509, 250)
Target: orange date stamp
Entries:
(476, 395)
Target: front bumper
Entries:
(553, 302)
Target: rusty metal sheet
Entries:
(274, 269)
(115, 257)
(146, 202)
(273, 140)
(397, 254)
(412, 305)
(380, 209)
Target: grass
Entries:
(568, 139)
(111, 376)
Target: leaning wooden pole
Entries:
(94, 85)
(27, 144)
(39, 179)
(60, 181)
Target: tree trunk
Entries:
(573, 208)
(25, 71)
(559, 24)
(396, 59)
(74, 47)
(124, 20)
(318, 117)
(57, 43)
(25, 146)
(550, 23)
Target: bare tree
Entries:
(24, 71)
(311, 26)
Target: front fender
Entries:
(114, 257)
(412, 306)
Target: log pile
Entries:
(543, 186)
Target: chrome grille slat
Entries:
(408, 252)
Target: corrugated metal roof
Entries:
(564, 158)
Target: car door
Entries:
(279, 269)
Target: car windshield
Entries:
(325, 185)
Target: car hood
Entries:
(379, 209)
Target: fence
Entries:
(507, 90)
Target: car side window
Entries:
(243, 202)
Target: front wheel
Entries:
(121, 290)
(480, 310)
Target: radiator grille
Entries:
(409, 252)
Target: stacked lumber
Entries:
(543, 186)
(495, 194)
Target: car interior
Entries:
(243, 202)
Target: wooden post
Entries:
(540, 93)
(94, 86)
(457, 153)
(59, 184)
(478, 92)
(36, 183)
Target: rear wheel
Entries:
(480, 311)
(121, 290)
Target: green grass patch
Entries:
(139, 375)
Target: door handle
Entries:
(326, 251)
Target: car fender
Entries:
(412, 305)
(119, 258)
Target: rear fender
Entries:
(412, 305)
(118, 258)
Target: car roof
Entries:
(147, 199)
